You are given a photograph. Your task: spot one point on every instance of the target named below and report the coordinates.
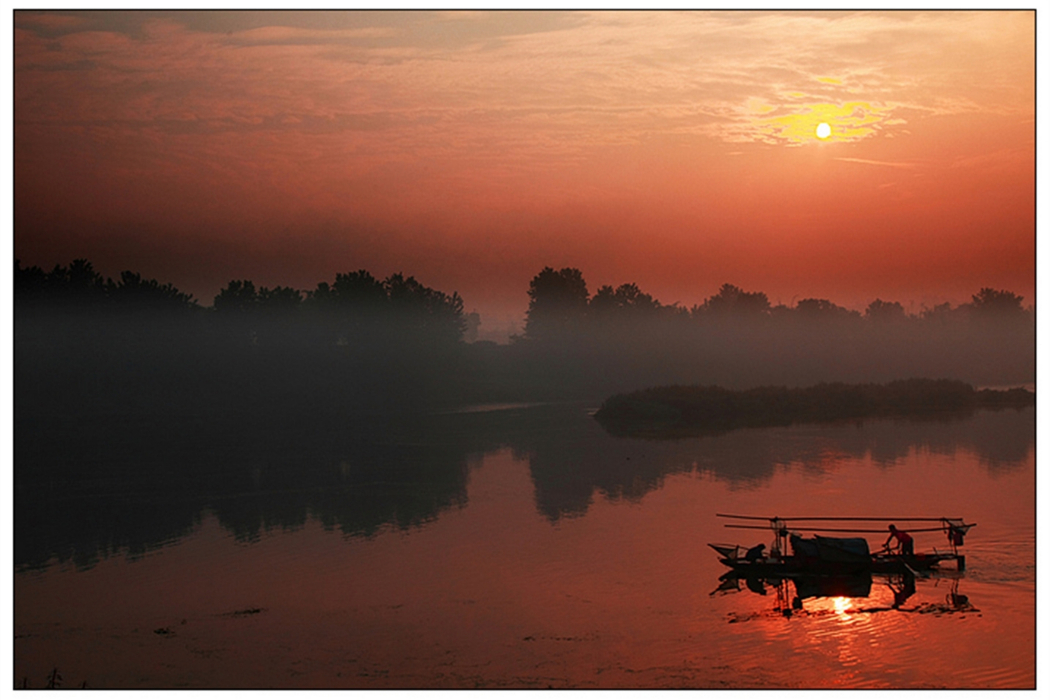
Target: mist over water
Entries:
(88, 347)
(338, 491)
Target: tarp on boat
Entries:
(831, 549)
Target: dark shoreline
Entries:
(685, 411)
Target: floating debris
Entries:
(244, 613)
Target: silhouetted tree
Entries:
(359, 290)
(416, 307)
(885, 311)
(358, 308)
(822, 309)
(781, 311)
(321, 296)
(939, 314)
(996, 303)
(629, 296)
(349, 309)
(236, 306)
(626, 302)
(280, 300)
(603, 304)
(238, 297)
(29, 283)
(732, 301)
(77, 284)
(134, 292)
(80, 277)
(557, 303)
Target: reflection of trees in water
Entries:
(371, 486)
(1001, 440)
(81, 496)
(147, 488)
(568, 471)
(83, 528)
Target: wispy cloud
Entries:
(294, 36)
(604, 76)
(883, 163)
(49, 21)
(518, 92)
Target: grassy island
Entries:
(681, 411)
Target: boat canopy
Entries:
(830, 549)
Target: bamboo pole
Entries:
(743, 517)
(834, 529)
(756, 517)
(845, 519)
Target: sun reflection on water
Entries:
(843, 605)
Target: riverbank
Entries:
(680, 411)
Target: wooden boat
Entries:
(793, 554)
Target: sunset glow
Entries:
(591, 349)
(471, 149)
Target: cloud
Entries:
(49, 21)
(887, 164)
(995, 160)
(294, 36)
(575, 78)
(515, 96)
(797, 124)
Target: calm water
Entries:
(514, 548)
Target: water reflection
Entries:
(151, 488)
(81, 497)
(856, 593)
(570, 465)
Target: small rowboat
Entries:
(793, 554)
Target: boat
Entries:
(792, 553)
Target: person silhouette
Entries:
(905, 543)
(755, 553)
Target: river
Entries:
(515, 548)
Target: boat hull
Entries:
(876, 564)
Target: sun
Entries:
(823, 130)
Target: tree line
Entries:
(357, 305)
(560, 305)
(88, 345)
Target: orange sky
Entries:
(674, 150)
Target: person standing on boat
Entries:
(905, 542)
